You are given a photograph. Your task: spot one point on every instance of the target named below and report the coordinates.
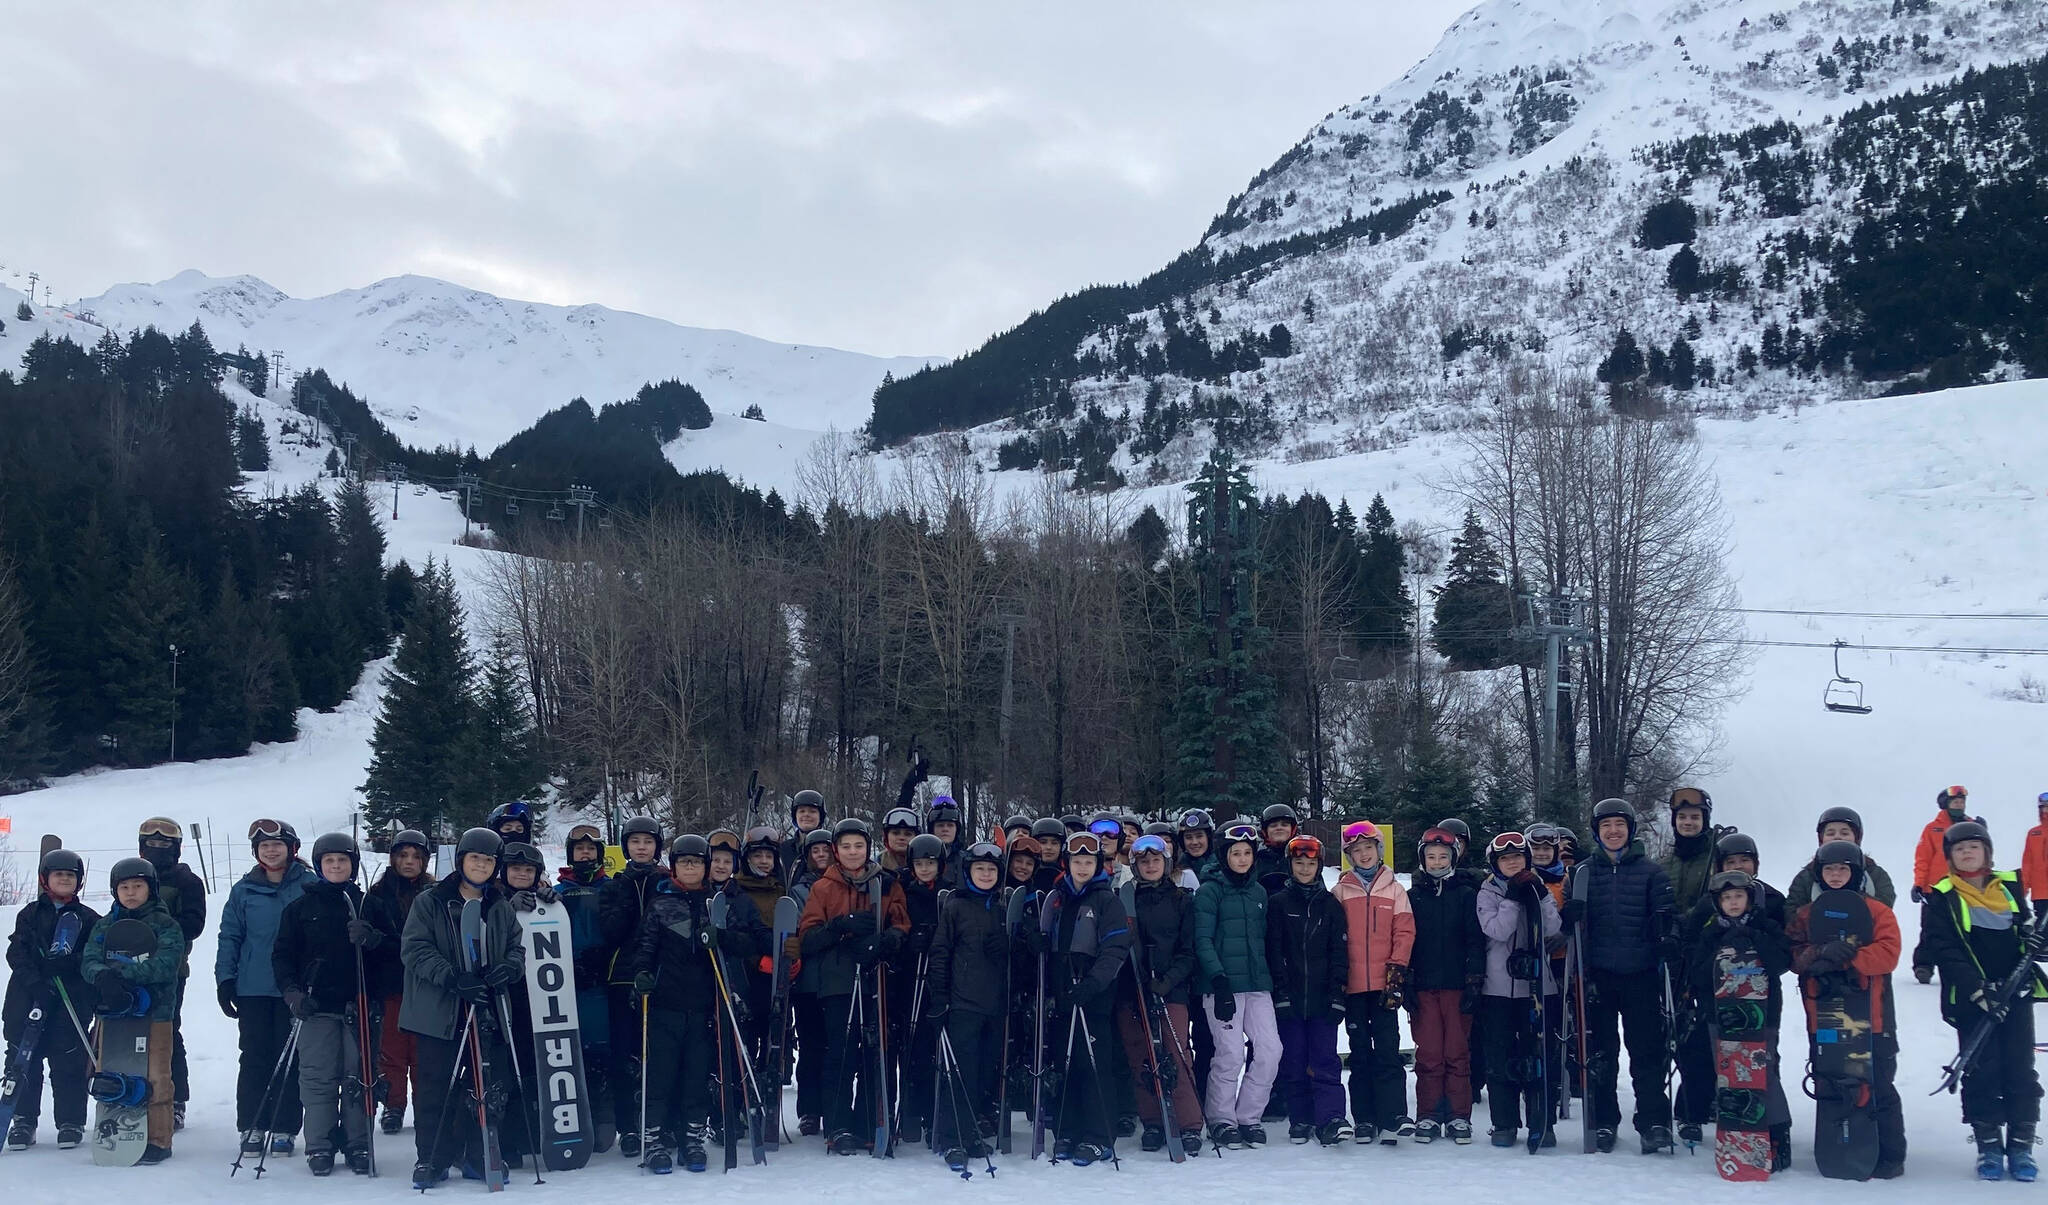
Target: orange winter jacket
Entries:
(1874, 964)
(1379, 927)
(1930, 865)
(2034, 863)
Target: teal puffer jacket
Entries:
(1230, 932)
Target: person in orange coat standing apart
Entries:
(1930, 865)
(2034, 861)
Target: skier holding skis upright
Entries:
(1163, 923)
(1520, 919)
(843, 945)
(912, 1039)
(621, 905)
(1087, 941)
(37, 969)
(1976, 928)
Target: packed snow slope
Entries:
(444, 364)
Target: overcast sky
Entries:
(886, 177)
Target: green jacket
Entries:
(1230, 933)
(159, 971)
(1689, 865)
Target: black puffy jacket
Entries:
(313, 953)
(1087, 938)
(621, 905)
(1629, 909)
(28, 956)
(1305, 951)
(1971, 947)
(922, 902)
(387, 904)
(970, 966)
(1271, 868)
(184, 896)
(669, 946)
(1450, 947)
(1166, 925)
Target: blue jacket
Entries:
(248, 928)
(1630, 911)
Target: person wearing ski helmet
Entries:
(1163, 920)
(1519, 920)
(443, 993)
(1822, 966)
(913, 1040)
(1110, 832)
(1015, 826)
(1691, 860)
(579, 888)
(1733, 853)
(621, 906)
(1379, 929)
(162, 841)
(512, 821)
(1230, 945)
(315, 960)
(246, 985)
(806, 816)
(40, 964)
(1630, 918)
(1841, 824)
(2034, 861)
(118, 984)
(1278, 825)
(1930, 864)
(1020, 863)
(1194, 841)
(386, 905)
(1051, 836)
(1087, 942)
(899, 825)
(1305, 953)
(725, 857)
(1739, 930)
(807, 1012)
(843, 945)
(1446, 975)
(521, 871)
(816, 859)
(1976, 928)
(942, 820)
(969, 992)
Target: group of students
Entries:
(1203, 968)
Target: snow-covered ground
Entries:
(1924, 505)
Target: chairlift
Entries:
(1844, 694)
(555, 513)
(511, 508)
(604, 520)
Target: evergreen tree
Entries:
(1384, 606)
(1503, 805)
(153, 613)
(359, 570)
(1439, 784)
(1684, 273)
(252, 444)
(1624, 369)
(421, 747)
(24, 712)
(507, 762)
(399, 586)
(1475, 610)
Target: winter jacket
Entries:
(833, 957)
(1305, 949)
(1870, 971)
(921, 905)
(1047, 878)
(1379, 926)
(1702, 913)
(313, 953)
(1930, 864)
(1271, 868)
(1689, 865)
(1763, 932)
(184, 897)
(1974, 946)
(1449, 949)
(1629, 909)
(790, 859)
(431, 948)
(1230, 933)
(760, 891)
(621, 905)
(970, 964)
(34, 970)
(1876, 884)
(1503, 911)
(1165, 923)
(581, 896)
(386, 905)
(248, 927)
(2034, 863)
(1087, 939)
(159, 970)
(671, 946)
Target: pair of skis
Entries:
(732, 1037)
(1152, 1014)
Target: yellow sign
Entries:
(1386, 845)
(614, 859)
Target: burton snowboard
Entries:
(568, 1136)
(1845, 1127)
(121, 1088)
(27, 1048)
(1742, 1060)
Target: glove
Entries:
(1032, 938)
(1157, 987)
(1225, 1004)
(937, 1010)
(525, 901)
(1670, 953)
(1090, 990)
(1985, 997)
(300, 1004)
(472, 989)
(500, 975)
(1919, 895)
(365, 934)
(643, 984)
(1397, 979)
(225, 993)
(116, 997)
(868, 952)
(1573, 912)
(1474, 986)
(1283, 1005)
(855, 924)
(706, 935)
(1524, 888)
(921, 937)
(545, 893)
(1840, 952)
(1522, 965)
(1337, 1006)
(889, 941)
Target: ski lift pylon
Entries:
(1844, 694)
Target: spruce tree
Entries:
(359, 570)
(1384, 606)
(1439, 784)
(153, 613)
(252, 443)
(420, 771)
(1475, 610)
(24, 712)
(507, 763)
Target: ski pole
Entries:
(642, 1136)
(266, 1105)
(1095, 1073)
(92, 1059)
(958, 1091)
(519, 1082)
(1059, 1108)
(448, 1097)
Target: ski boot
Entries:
(1299, 1132)
(1334, 1133)
(1251, 1135)
(1657, 1141)
(1191, 1143)
(177, 1116)
(1154, 1139)
(1225, 1136)
(1460, 1130)
(693, 1148)
(810, 1127)
(1501, 1138)
(153, 1155)
(1403, 1127)
(1427, 1131)
(1691, 1134)
(359, 1160)
(69, 1137)
(1366, 1134)
(282, 1145)
(392, 1121)
(2019, 1152)
(22, 1134)
(425, 1177)
(1062, 1150)
(845, 1142)
(956, 1159)
(320, 1163)
(1126, 1125)
(252, 1144)
(660, 1160)
(1603, 1140)
(1990, 1151)
(1086, 1153)
(629, 1144)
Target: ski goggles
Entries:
(1957, 792)
(161, 826)
(1305, 847)
(762, 834)
(586, 832)
(1241, 832)
(1197, 818)
(1149, 844)
(1729, 880)
(1084, 843)
(1690, 797)
(268, 830)
(2042, 799)
(1543, 834)
(901, 818)
(1509, 843)
(983, 851)
(1106, 828)
(1361, 830)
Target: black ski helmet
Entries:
(1840, 815)
(519, 853)
(1072, 822)
(413, 837)
(478, 841)
(1161, 828)
(1693, 797)
(761, 836)
(924, 845)
(160, 839)
(1567, 841)
(853, 826)
(1017, 821)
(132, 868)
(1459, 829)
(807, 799)
(1846, 853)
(1276, 813)
(983, 851)
(1197, 819)
(1049, 830)
(641, 824)
(943, 807)
(1734, 880)
(1733, 844)
(1965, 830)
(336, 843)
(515, 810)
(817, 836)
(59, 859)
(584, 834)
(690, 845)
(900, 818)
(1614, 807)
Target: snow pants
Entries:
(1518, 1092)
(1231, 1101)
(1087, 1100)
(1696, 1085)
(398, 1059)
(61, 1049)
(1443, 1054)
(812, 1037)
(262, 1025)
(1632, 1006)
(1311, 1078)
(328, 1060)
(682, 1050)
(850, 1082)
(2002, 1087)
(622, 1022)
(1185, 1100)
(1379, 1084)
(444, 1128)
(965, 1100)
(181, 1073)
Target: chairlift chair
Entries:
(555, 513)
(1844, 694)
(511, 508)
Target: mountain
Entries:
(1770, 198)
(443, 364)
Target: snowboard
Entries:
(1845, 1127)
(1742, 1060)
(487, 1103)
(775, 1069)
(27, 1048)
(120, 1089)
(568, 1136)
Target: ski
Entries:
(472, 953)
(879, 1028)
(1164, 1073)
(1540, 1021)
(1013, 916)
(51, 841)
(749, 1084)
(2022, 976)
(1038, 1054)
(787, 914)
(1577, 887)
(358, 1086)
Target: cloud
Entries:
(884, 176)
